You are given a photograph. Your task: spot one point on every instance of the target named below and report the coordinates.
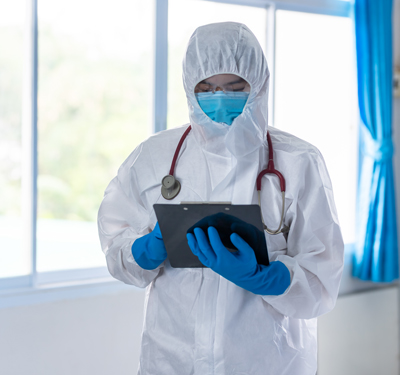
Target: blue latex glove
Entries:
(149, 251)
(239, 267)
(227, 224)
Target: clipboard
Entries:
(176, 219)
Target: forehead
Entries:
(223, 79)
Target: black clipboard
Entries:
(176, 219)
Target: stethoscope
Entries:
(171, 186)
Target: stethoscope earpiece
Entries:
(170, 187)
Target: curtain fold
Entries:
(376, 250)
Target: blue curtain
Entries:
(376, 249)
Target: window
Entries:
(316, 97)
(94, 109)
(96, 102)
(14, 259)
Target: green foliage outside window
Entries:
(93, 111)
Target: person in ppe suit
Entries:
(234, 317)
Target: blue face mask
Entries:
(222, 106)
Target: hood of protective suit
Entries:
(228, 48)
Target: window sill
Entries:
(63, 291)
(55, 287)
(350, 285)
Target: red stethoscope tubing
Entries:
(269, 170)
(178, 150)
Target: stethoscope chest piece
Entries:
(170, 187)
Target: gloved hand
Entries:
(149, 251)
(239, 267)
(228, 224)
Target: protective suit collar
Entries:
(228, 48)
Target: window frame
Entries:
(40, 281)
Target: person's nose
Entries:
(218, 88)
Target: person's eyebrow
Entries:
(240, 80)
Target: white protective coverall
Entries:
(197, 322)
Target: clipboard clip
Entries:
(206, 202)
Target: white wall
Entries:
(360, 336)
(90, 336)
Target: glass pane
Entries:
(95, 79)
(316, 97)
(14, 260)
(184, 17)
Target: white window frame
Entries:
(19, 287)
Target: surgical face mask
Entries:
(222, 106)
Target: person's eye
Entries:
(205, 88)
(239, 87)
